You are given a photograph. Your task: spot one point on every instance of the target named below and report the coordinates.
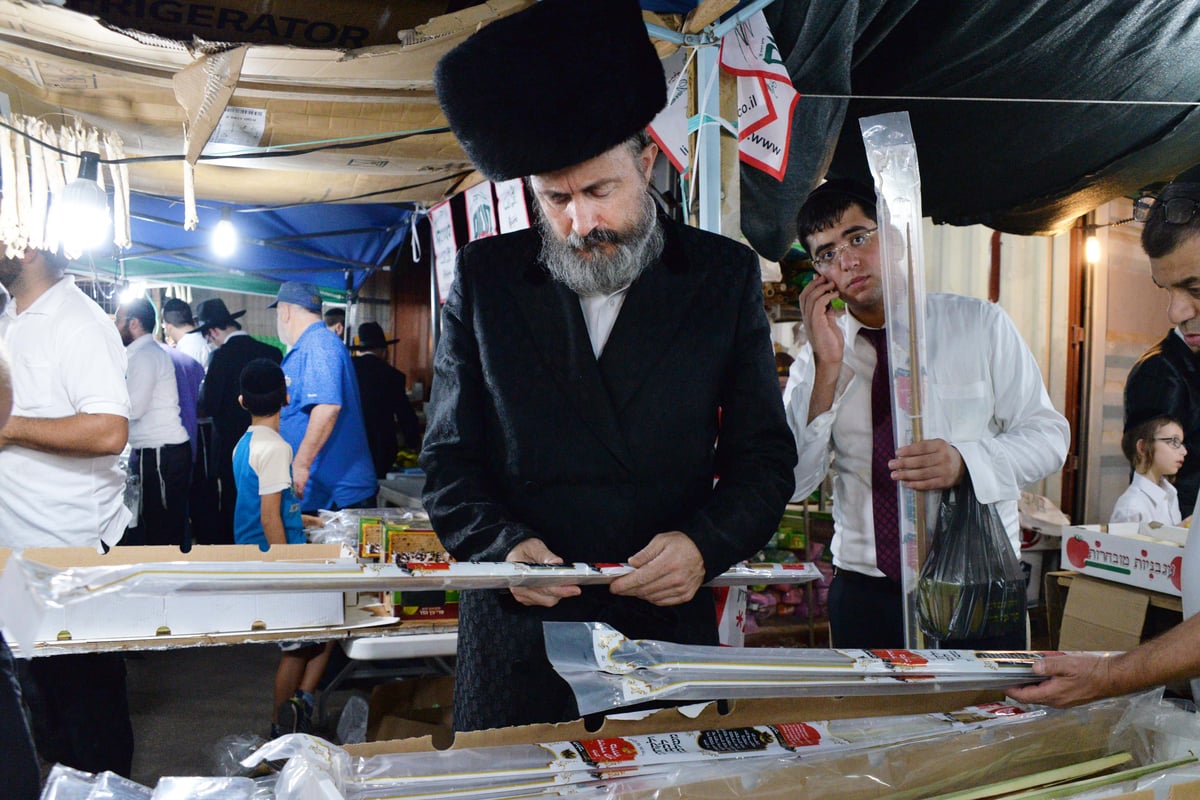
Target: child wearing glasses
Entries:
(1155, 451)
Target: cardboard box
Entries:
(117, 616)
(919, 769)
(413, 708)
(1085, 613)
(1116, 552)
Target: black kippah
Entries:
(261, 376)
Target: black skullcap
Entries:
(551, 86)
(261, 376)
(177, 312)
(856, 190)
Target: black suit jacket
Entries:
(528, 435)
(219, 394)
(1166, 381)
(386, 410)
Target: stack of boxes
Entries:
(389, 540)
(802, 536)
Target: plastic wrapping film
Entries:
(342, 527)
(55, 587)
(892, 157)
(65, 783)
(911, 756)
(606, 670)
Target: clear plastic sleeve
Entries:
(606, 670)
(892, 157)
(193, 788)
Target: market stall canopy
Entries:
(295, 119)
(998, 96)
(332, 246)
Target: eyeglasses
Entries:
(856, 241)
(1174, 442)
(1176, 211)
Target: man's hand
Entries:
(668, 571)
(928, 464)
(820, 321)
(299, 478)
(1074, 679)
(534, 551)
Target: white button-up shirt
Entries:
(985, 397)
(196, 346)
(1147, 501)
(67, 359)
(600, 312)
(154, 418)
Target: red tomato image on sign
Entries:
(1077, 551)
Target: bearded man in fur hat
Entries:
(587, 366)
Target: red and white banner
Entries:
(445, 248)
(511, 206)
(481, 211)
(766, 98)
(670, 128)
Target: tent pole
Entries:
(708, 139)
(351, 310)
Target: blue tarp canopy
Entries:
(334, 246)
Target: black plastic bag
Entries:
(971, 586)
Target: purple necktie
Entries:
(883, 449)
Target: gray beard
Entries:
(602, 273)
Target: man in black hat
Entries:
(219, 400)
(387, 414)
(180, 327)
(586, 366)
(1164, 382)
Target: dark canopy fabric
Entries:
(335, 246)
(1019, 167)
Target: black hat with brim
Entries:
(370, 337)
(551, 86)
(213, 314)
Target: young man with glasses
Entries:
(1165, 381)
(987, 416)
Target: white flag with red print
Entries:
(511, 207)
(481, 211)
(766, 98)
(670, 128)
(445, 248)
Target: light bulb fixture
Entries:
(224, 239)
(81, 208)
(1091, 250)
(133, 291)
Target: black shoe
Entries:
(294, 717)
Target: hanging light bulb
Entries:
(224, 239)
(81, 208)
(1091, 250)
(133, 291)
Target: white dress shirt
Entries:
(1147, 501)
(154, 418)
(195, 345)
(600, 313)
(985, 397)
(67, 359)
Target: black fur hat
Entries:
(551, 86)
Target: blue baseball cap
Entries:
(300, 294)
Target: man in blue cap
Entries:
(323, 422)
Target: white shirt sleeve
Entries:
(93, 368)
(1030, 437)
(814, 442)
(271, 460)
